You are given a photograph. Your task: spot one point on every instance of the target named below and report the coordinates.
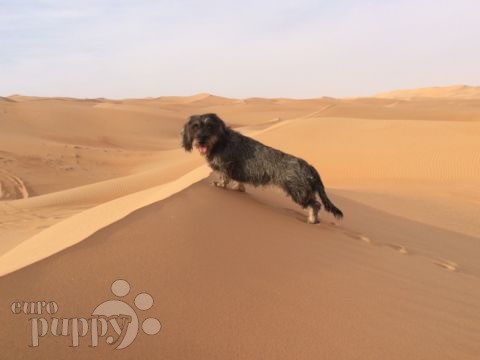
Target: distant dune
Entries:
(94, 190)
(446, 92)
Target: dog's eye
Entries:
(195, 126)
(209, 126)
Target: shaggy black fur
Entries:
(244, 160)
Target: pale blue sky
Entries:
(290, 48)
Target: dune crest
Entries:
(78, 227)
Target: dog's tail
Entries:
(327, 203)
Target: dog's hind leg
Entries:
(313, 209)
(305, 197)
(313, 213)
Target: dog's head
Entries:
(202, 132)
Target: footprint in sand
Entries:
(357, 236)
(446, 264)
(364, 238)
(400, 248)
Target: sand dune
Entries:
(78, 227)
(94, 190)
(445, 92)
(247, 278)
(423, 165)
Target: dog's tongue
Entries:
(202, 149)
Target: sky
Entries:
(267, 48)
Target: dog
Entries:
(242, 160)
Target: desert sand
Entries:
(95, 190)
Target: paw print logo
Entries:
(116, 311)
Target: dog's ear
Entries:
(187, 140)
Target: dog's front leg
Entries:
(222, 182)
(238, 186)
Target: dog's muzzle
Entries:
(202, 146)
(203, 149)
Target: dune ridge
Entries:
(79, 226)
